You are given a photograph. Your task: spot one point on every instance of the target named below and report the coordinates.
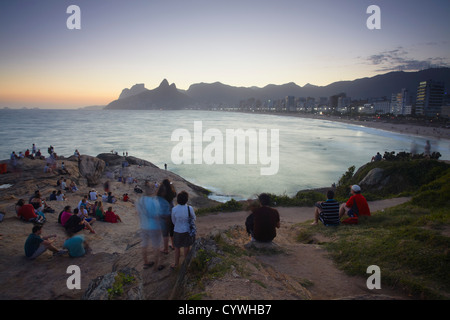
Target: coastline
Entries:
(414, 129)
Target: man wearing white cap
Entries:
(355, 206)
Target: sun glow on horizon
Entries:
(240, 44)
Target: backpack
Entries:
(351, 220)
(192, 227)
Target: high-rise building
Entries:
(430, 96)
(290, 103)
(400, 103)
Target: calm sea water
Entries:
(312, 153)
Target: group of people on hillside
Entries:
(80, 218)
(165, 225)
(263, 220)
(50, 163)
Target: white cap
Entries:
(356, 188)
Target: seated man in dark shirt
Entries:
(265, 220)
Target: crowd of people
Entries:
(166, 226)
(167, 222)
(73, 220)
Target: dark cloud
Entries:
(398, 60)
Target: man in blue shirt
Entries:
(152, 211)
(76, 246)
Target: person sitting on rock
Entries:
(110, 216)
(99, 212)
(76, 245)
(73, 186)
(111, 198)
(40, 204)
(65, 215)
(27, 213)
(93, 195)
(83, 214)
(75, 224)
(265, 220)
(63, 169)
(53, 196)
(63, 185)
(60, 196)
(35, 245)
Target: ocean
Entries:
(311, 153)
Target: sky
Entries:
(245, 43)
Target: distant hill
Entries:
(166, 97)
(92, 108)
(203, 95)
(377, 86)
(134, 90)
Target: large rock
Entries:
(92, 169)
(113, 160)
(375, 179)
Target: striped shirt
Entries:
(329, 212)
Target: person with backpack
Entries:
(355, 207)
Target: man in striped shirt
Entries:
(328, 211)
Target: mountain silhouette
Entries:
(204, 95)
(166, 97)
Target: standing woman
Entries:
(180, 218)
(167, 191)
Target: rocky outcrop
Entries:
(125, 284)
(92, 169)
(375, 179)
(112, 159)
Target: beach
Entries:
(427, 130)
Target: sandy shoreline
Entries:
(412, 129)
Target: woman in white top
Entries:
(180, 219)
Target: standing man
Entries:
(151, 212)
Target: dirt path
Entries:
(307, 263)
